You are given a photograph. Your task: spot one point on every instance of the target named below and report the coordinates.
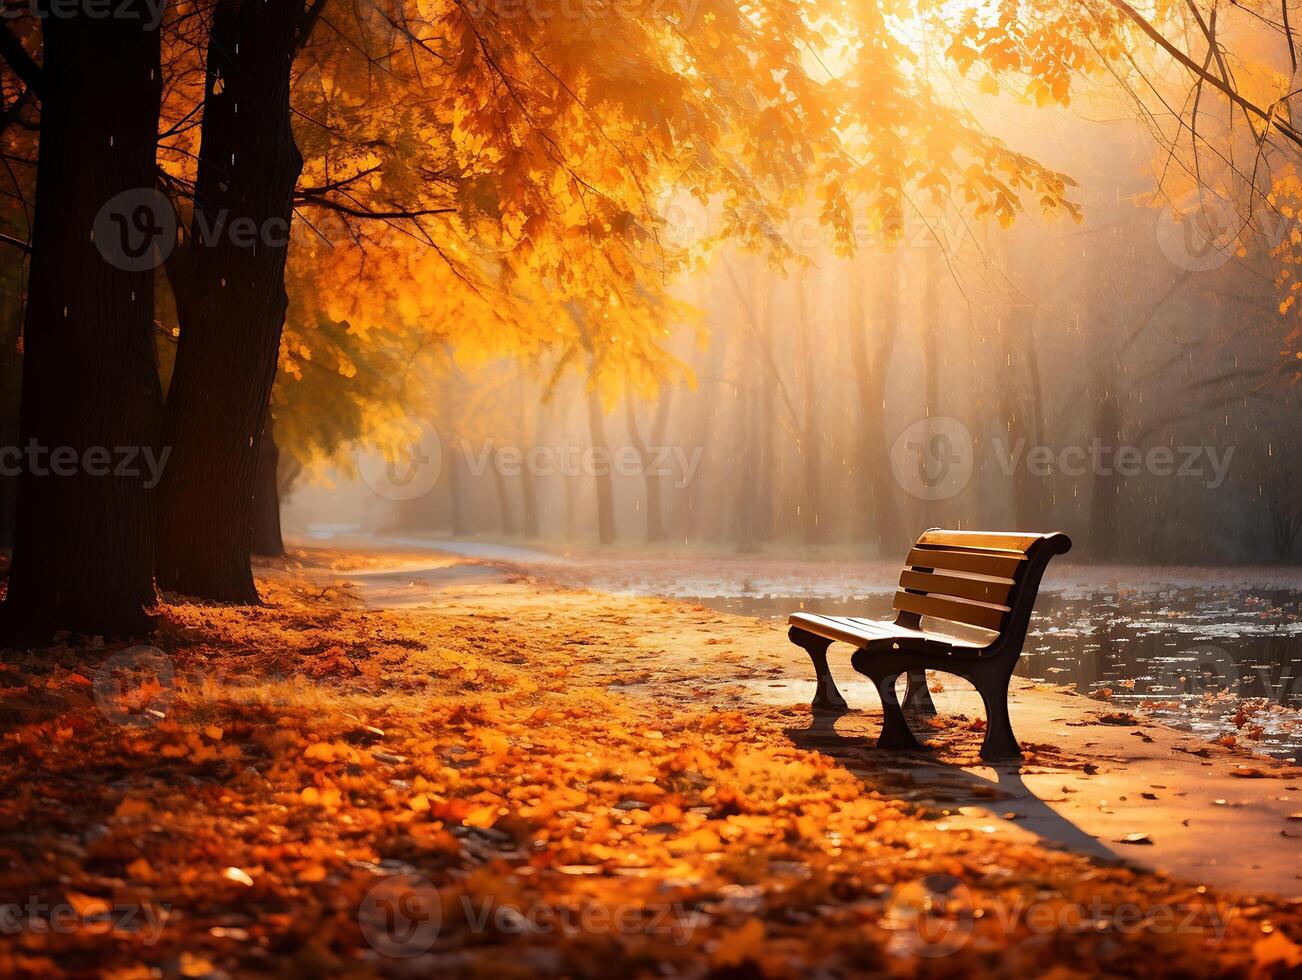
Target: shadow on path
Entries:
(949, 783)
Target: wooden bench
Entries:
(983, 579)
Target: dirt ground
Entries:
(495, 776)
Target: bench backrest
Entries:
(987, 579)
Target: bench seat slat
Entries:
(978, 563)
(990, 617)
(851, 629)
(992, 590)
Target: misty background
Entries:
(1151, 324)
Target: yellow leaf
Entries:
(87, 906)
(130, 807)
(482, 817)
(313, 872)
(1277, 948)
(739, 945)
(140, 870)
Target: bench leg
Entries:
(916, 695)
(827, 699)
(999, 744)
(895, 729)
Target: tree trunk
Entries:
(874, 450)
(83, 545)
(810, 431)
(529, 480)
(690, 523)
(1105, 492)
(930, 513)
(456, 504)
(267, 540)
(509, 526)
(861, 489)
(764, 496)
(601, 472)
(1024, 421)
(648, 452)
(8, 486)
(747, 464)
(231, 302)
(655, 520)
(11, 290)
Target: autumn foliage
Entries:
(538, 757)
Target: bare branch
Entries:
(1270, 117)
(24, 66)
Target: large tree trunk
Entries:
(267, 538)
(11, 310)
(232, 302)
(83, 545)
(8, 488)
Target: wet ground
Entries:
(1216, 662)
(1217, 652)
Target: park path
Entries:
(1096, 780)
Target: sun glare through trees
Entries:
(650, 488)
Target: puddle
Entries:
(1214, 662)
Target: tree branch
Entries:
(311, 200)
(310, 16)
(17, 243)
(24, 66)
(1270, 118)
